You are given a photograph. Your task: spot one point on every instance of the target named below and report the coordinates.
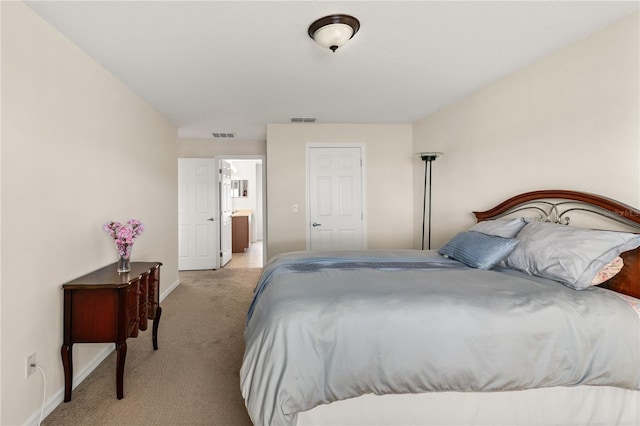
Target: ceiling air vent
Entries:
(303, 120)
(218, 135)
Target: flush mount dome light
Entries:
(334, 31)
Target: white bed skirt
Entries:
(581, 405)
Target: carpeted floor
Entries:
(193, 378)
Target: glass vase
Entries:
(124, 264)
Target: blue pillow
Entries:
(478, 250)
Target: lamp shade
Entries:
(429, 156)
(333, 31)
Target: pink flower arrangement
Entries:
(124, 235)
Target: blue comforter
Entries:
(329, 326)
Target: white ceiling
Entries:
(234, 66)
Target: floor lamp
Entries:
(428, 158)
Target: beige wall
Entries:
(566, 121)
(203, 148)
(388, 181)
(78, 149)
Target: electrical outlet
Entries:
(30, 365)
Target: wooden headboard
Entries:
(555, 206)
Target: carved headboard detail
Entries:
(569, 201)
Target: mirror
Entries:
(239, 188)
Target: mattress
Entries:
(568, 406)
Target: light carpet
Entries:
(193, 378)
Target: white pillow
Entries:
(572, 256)
(505, 228)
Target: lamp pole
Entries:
(428, 158)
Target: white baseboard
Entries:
(58, 397)
(169, 289)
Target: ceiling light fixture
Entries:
(334, 31)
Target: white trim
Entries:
(58, 397)
(169, 289)
(363, 180)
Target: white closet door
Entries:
(335, 198)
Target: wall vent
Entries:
(219, 135)
(303, 120)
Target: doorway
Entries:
(209, 195)
(248, 211)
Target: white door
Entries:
(336, 220)
(225, 212)
(197, 214)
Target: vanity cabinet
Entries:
(240, 231)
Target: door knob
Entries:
(212, 219)
(316, 224)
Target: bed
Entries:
(523, 319)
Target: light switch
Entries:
(294, 208)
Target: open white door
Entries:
(336, 220)
(198, 214)
(225, 212)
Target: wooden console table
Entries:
(106, 306)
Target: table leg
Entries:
(67, 364)
(121, 348)
(154, 335)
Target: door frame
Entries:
(221, 234)
(363, 158)
(265, 236)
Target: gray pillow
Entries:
(478, 250)
(506, 228)
(572, 256)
